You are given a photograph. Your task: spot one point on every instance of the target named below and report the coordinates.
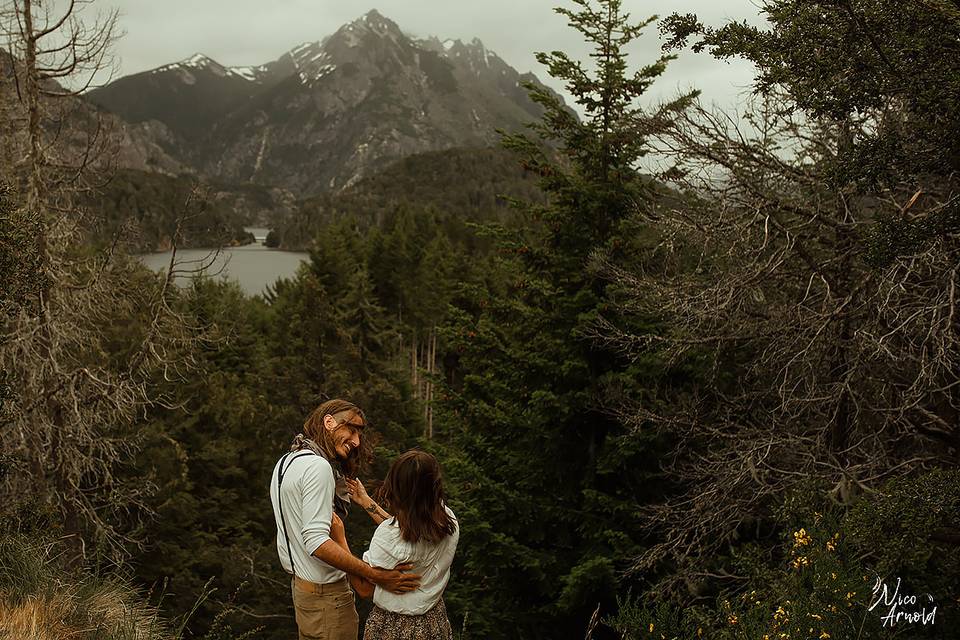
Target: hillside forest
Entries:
(689, 373)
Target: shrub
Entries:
(824, 576)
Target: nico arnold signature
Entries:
(902, 608)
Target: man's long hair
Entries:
(342, 411)
(413, 492)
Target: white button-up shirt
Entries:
(307, 494)
(430, 560)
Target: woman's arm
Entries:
(359, 495)
(361, 586)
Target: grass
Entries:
(41, 599)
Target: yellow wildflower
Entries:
(732, 619)
(824, 635)
(651, 627)
(800, 538)
(832, 542)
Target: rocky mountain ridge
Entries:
(329, 112)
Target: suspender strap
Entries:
(280, 473)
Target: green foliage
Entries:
(857, 62)
(550, 487)
(592, 580)
(869, 51)
(821, 580)
(21, 278)
(148, 210)
(894, 236)
(20, 263)
(456, 185)
(911, 528)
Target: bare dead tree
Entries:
(91, 356)
(817, 363)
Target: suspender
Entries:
(280, 473)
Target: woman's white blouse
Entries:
(430, 560)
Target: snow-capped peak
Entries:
(198, 60)
(376, 22)
(194, 62)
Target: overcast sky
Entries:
(252, 32)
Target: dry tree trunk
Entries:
(413, 367)
(431, 365)
(75, 398)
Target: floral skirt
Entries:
(385, 625)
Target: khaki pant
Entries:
(325, 611)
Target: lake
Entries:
(254, 266)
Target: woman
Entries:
(423, 531)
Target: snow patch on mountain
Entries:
(201, 62)
(311, 62)
(251, 74)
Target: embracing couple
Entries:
(408, 562)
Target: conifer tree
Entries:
(858, 61)
(360, 321)
(546, 476)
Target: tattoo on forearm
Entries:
(373, 507)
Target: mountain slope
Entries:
(188, 97)
(470, 185)
(84, 133)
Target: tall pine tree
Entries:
(545, 477)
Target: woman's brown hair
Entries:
(342, 411)
(413, 492)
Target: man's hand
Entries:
(395, 581)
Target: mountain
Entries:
(327, 113)
(84, 134)
(189, 96)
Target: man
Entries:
(304, 493)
